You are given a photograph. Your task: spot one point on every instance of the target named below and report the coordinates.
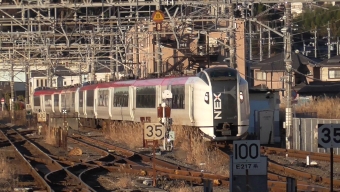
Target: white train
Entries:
(216, 101)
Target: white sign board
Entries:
(246, 151)
(171, 135)
(328, 135)
(41, 117)
(153, 131)
(259, 168)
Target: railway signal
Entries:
(329, 137)
(248, 167)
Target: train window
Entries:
(37, 81)
(121, 97)
(178, 97)
(62, 101)
(56, 100)
(48, 100)
(103, 98)
(36, 100)
(81, 96)
(204, 77)
(223, 74)
(146, 97)
(89, 98)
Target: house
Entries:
(328, 69)
(270, 73)
(325, 80)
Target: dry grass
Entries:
(8, 171)
(131, 134)
(328, 108)
(197, 151)
(187, 189)
(124, 183)
(194, 149)
(50, 135)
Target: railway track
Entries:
(131, 162)
(276, 182)
(280, 172)
(50, 173)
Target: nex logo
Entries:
(217, 106)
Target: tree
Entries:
(319, 18)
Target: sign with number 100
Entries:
(328, 135)
(246, 151)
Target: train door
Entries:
(191, 103)
(132, 106)
(42, 103)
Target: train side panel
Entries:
(102, 104)
(81, 103)
(89, 103)
(121, 101)
(48, 103)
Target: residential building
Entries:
(270, 73)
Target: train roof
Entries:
(139, 83)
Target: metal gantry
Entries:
(89, 35)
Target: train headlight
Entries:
(241, 96)
(206, 97)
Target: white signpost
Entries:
(249, 168)
(2, 104)
(153, 131)
(329, 137)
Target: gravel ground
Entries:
(121, 182)
(322, 168)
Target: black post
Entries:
(332, 169)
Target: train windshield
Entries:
(223, 74)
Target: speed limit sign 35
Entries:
(328, 135)
(153, 131)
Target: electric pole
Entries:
(269, 44)
(337, 46)
(12, 89)
(92, 52)
(27, 84)
(231, 35)
(329, 41)
(159, 50)
(261, 49)
(315, 44)
(288, 62)
(250, 42)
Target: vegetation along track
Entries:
(51, 174)
(279, 173)
(140, 164)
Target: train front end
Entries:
(230, 104)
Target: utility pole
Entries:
(269, 44)
(27, 82)
(315, 43)
(261, 49)
(231, 35)
(288, 63)
(337, 46)
(329, 41)
(12, 88)
(250, 36)
(159, 51)
(92, 52)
